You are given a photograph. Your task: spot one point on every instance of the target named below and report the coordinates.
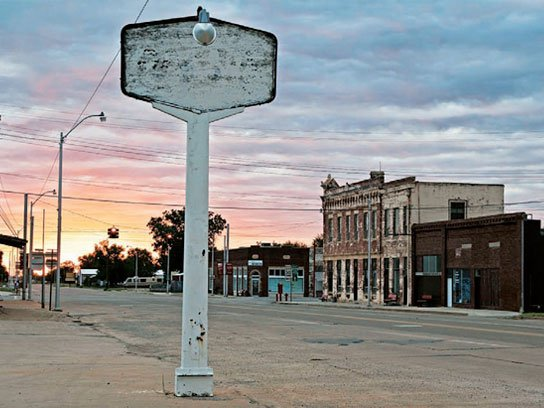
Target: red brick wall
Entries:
(477, 233)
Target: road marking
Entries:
(407, 326)
(303, 321)
(477, 343)
(441, 325)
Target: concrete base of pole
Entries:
(194, 382)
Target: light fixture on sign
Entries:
(204, 32)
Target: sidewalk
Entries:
(413, 309)
(51, 360)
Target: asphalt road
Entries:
(316, 356)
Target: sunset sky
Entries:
(440, 90)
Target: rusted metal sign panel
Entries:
(161, 62)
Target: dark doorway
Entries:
(255, 283)
(385, 277)
(486, 288)
(355, 279)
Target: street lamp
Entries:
(59, 210)
(32, 240)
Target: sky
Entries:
(441, 90)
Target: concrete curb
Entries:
(411, 309)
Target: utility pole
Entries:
(211, 273)
(25, 259)
(29, 261)
(136, 268)
(168, 248)
(43, 258)
(168, 270)
(32, 240)
(225, 261)
(369, 239)
(59, 228)
(59, 206)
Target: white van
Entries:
(141, 281)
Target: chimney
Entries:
(377, 175)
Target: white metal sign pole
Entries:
(194, 377)
(198, 83)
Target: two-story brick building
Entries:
(374, 216)
(493, 262)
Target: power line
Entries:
(245, 208)
(8, 223)
(107, 71)
(376, 132)
(253, 166)
(92, 96)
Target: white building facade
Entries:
(381, 213)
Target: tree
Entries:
(318, 240)
(168, 234)
(109, 261)
(296, 244)
(146, 265)
(4, 275)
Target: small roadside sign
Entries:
(36, 260)
(287, 273)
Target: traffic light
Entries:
(21, 263)
(113, 232)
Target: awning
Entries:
(12, 241)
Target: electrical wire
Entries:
(93, 94)
(245, 208)
(7, 221)
(377, 133)
(227, 163)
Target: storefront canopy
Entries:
(12, 241)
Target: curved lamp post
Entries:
(32, 239)
(59, 215)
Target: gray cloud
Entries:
(441, 90)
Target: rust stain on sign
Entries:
(161, 62)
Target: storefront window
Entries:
(432, 263)
(339, 275)
(462, 286)
(396, 275)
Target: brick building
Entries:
(385, 211)
(494, 262)
(259, 269)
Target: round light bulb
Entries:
(204, 32)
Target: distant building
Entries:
(494, 262)
(86, 273)
(316, 271)
(259, 269)
(384, 211)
